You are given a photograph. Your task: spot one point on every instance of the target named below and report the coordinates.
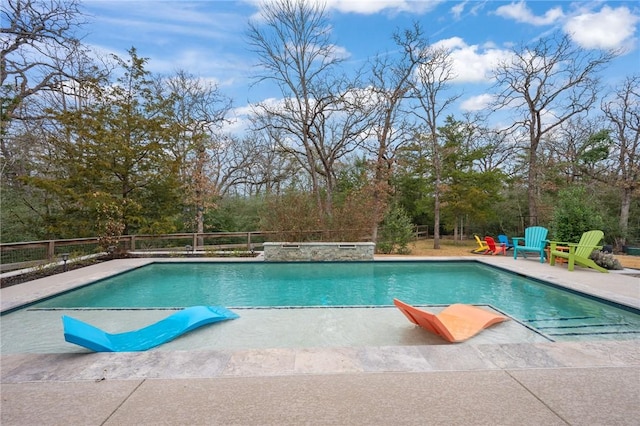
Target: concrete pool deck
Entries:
(481, 381)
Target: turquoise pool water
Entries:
(554, 312)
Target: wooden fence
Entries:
(34, 253)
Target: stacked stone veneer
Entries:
(318, 252)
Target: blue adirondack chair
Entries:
(535, 240)
(503, 239)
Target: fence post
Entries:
(195, 242)
(51, 249)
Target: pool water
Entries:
(554, 312)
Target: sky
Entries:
(208, 38)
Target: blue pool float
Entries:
(176, 324)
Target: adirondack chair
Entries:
(495, 248)
(578, 253)
(482, 246)
(535, 240)
(503, 239)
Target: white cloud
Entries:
(160, 21)
(607, 29)
(340, 52)
(476, 103)
(451, 43)
(238, 120)
(521, 13)
(369, 7)
(457, 10)
(472, 63)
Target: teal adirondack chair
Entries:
(578, 253)
(535, 240)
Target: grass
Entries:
(463, 248)
(447, 248)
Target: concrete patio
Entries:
(482, 381)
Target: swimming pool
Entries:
(559, 314)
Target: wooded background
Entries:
(98, 146)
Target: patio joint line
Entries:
(115, 410)
(537, 397)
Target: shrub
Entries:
(109, 224)
(396, 232)
(575, 213)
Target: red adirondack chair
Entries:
(495, 248)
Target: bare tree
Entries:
(565, 152)
(498, 152)
(271, 169)
(200, 110)
(391, 82)
(322, 115)
(38, 43)
(623, 114)
(42, 62)
(434, 74)
(546, 84)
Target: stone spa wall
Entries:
(318, 252)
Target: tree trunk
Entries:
(200, 226)
(436, 192)
(436, 219)
(625, 206)
(455, 230)
(532, 182)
